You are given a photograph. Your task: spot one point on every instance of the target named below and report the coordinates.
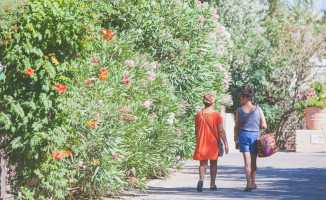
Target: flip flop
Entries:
(213, 188)
(200, 186)
(248, 190)
(254, 187)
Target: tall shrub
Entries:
(86, 111)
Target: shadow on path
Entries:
(273, 183)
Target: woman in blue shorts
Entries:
(250, 131)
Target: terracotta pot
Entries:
(315, 118)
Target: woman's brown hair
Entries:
(208, 99)
(247, 92)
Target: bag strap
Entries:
(209, 127)
(244, 123)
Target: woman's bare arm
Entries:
(236, 127)
(221, 132)
(263, 124)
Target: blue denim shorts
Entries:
(248, 141)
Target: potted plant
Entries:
(312, 106)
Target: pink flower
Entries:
(127, 82)
(147, 104)
(201, 18)
(178, 157)
(130, 63)
(126, 78)
(215, 22)
(78, 54)
(100, 102)
(151, 78)
(212, 36)
(300, 96)
(219, 67)
(132, 180)
(152, 75)
(184, 112)
(158, 66)
(116, 156)
(179, 132)
(199, 108)
(225, 75)
(154, 115)
(95, 61)
(89, 82)
(187, 103)
(228, 100)
(219, 52)
(213, 11)
(82, 94)
(222, 30)
(230, 57)
(226, 82)
(133, 170)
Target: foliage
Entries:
(188, 49)
(314, 96)
(10, 12)
(274, 43)
(298, 38)
(246, 22)
(89, 111)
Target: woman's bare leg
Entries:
(253, 169)
(247, 167)
(202, 169)
(213, 169)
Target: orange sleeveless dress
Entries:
(207, 147)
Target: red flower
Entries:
(61, 88)
(127, 82)
(108, 38)
(102, 77)
(104, 32)
(104, 72)
(92, 123)
(67, 153)
(116, 156)
(57, 154)
(29, 72)
(110, 35)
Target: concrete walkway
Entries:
(283, 176)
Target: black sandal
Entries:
(248, 189)
(200, 186)
(213, 188)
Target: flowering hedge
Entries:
(97, 101)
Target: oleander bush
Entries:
(100, 96)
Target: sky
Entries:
(320, 5)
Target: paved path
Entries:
(283, 176)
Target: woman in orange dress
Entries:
(207, 145)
